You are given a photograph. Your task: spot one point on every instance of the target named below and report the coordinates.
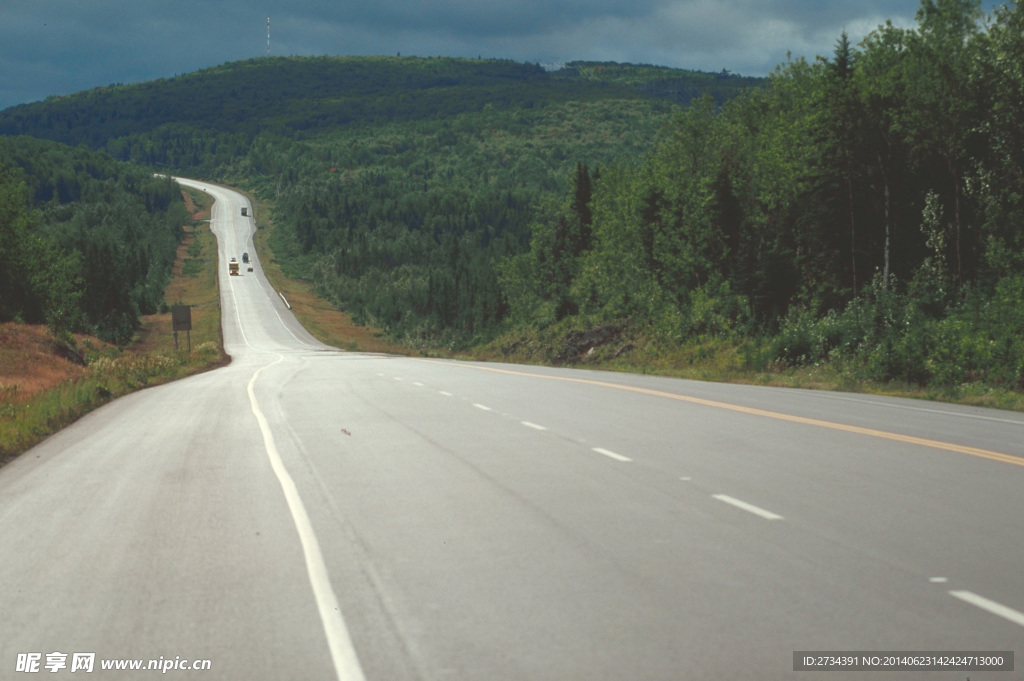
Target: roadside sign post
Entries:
(181, 320)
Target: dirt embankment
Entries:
(31, 361)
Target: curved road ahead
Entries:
(308, 513)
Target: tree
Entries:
(22, 252)
(38, 281)
(998, 82)
(880, 84)
(941, 104)
(841, 165)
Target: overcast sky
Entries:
(51, 47)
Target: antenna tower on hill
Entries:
(268, 36)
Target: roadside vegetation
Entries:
(50, 379)
(322, 319)
(859, 221)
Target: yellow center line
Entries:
(897, 437)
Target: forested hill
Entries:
(207, 118)
(86, 243)
(399, 181)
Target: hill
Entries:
(87, 242)
(206, 118)
(398, 181)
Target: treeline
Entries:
(679, 86)
(867, 209)
(87, 242)
(202, 121)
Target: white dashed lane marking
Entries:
(993, 607)
(749, 508)
(610, 454)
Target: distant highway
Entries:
(309, 513)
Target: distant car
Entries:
(245, 257)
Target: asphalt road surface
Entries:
(308, 513)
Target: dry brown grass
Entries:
(30, 361)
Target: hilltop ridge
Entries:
(301, 96)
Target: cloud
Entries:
(745, 37)
(60, 46)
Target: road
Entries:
(308, 513)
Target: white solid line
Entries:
(995, 608)
(417, 383)
(942, 412)
(610, 454)
(481, 406)
(445, 393)
(532, 425)
(343, 653)
(750, 508)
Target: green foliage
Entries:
(884, 335)
(88, 242)
(403, 224)
(204, 120)
(23, 252)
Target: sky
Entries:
(56, 47)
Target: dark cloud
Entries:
(52, 47)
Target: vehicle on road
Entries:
(233, 267)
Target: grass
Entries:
(724, 361)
